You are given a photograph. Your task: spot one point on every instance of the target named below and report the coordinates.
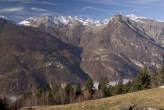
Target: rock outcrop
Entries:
(138, 107)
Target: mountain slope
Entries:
(153, 29)
(150, 98)
(120, 48)
(30, 57)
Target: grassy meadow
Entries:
(152, 98)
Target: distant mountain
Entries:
(119, 46)
(60, 20)
(36, 21)
(4, 17)
(30, 57)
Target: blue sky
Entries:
(96, 9)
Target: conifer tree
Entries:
(143, 80)
(68, 88)
(48, 89)
(39, 91)
(69, 93)
(90, 86)
(55, 88)
(103, 85)
(128, 86)
(3, 105)
(119, 88)
(78, 89)
(161, 73)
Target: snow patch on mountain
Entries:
(106, 21)
(66, 20)
(69, 20)
(160, 21)
(26, 23)
(136, 18)
(4, 17)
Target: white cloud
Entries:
(92, 8)
(16, 1)
(19, 17)
(124, 2)
(45, 2)
(143, 1)
(14, 9)
(38, 9)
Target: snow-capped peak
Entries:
(135, 18)
(160, 21)
(65, 20)
(4, 17)
(25, 22)
(52, 21)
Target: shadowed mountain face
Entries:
(120, 48)
(30, 57)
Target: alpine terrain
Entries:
(60, 49)
(114, 47)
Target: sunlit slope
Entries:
(152, 98)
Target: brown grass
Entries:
(152, 98)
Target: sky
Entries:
(96, 9)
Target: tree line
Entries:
(58, 95)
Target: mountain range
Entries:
(121, 46)
(60, 49)
(65, 20)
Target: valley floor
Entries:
(151, 98)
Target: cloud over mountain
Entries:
(14, 9)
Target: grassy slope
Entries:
(153, 98)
